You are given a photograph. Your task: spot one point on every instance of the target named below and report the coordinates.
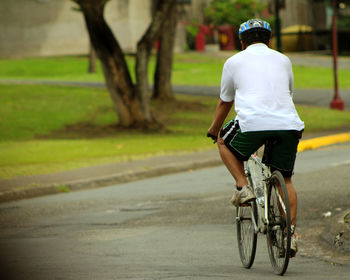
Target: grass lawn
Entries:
(47, 129)
(188, 69)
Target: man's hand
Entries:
(212, 136)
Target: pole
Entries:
(278, 26)
(337, 102)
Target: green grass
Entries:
(46, 129)
(319, 119)
(188, 69)
(35, 110)
(49, 68)
(34, 137)
(63, 188)
(319, 78)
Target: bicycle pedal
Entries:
(292, 253)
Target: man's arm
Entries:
(221, 112)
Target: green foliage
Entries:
(344, 23)
(234, 12)
(191, 32)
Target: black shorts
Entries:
(280, 145)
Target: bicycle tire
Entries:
(246, 235)
(279, 227)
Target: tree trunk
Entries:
(145, 45)
(162, 76)
(128, 101)
(92, 60)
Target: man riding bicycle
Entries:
(259, 81)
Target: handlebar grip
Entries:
(214, 137)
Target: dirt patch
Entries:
(81, 130)
(161, 110)
(178, 106)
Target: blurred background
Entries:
(40, 27)
(58, 112)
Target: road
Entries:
(178, 226)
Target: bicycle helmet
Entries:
(254, 30)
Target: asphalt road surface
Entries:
(178, 226)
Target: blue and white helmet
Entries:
(254, 24)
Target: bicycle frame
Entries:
(267, 214)
(262, 210)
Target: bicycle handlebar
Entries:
(213, 137)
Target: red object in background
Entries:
(226, 37)
(337, 102)
(200, 42)
(200, 37)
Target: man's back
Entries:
(261, 82)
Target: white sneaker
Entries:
(245, 195)
(293, 243)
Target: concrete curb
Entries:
(318, 142)
(102, 181)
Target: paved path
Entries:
(169, 227)
(30, 186)
(316, 97)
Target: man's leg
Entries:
(293, 199)
(293, 203)
(243, 193)
(234, 165)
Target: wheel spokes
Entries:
(278, 235)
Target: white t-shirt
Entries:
(260, 82)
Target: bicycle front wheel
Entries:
(279, 227)
(246, 217)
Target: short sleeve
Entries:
(227, 89)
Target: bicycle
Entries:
(269, 214)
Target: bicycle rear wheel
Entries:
(279, 227)
(246, 235)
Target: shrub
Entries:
(234, 12)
